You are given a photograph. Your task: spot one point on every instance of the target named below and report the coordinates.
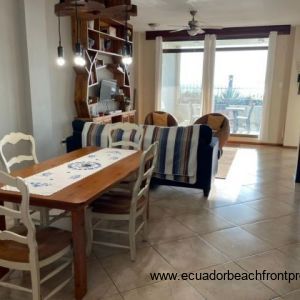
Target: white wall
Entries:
(144, 68)
(62, 80)
(13, 102)
(36, 96)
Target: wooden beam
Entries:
(222, 34)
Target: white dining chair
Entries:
(125, 135)
(124, 206)
(27, 248)
(15, 138)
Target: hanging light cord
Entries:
(59, 33)
(126, 24)
(77, 24)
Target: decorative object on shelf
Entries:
(91, 24)
(107, 44)
(79, 56)
(127, 51)
(112, 31)
(60, 50)
(91, 43)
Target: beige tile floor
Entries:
(251, 221)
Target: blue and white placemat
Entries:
(53, 180)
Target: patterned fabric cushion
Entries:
(160, 119)
(215, 122)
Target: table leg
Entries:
(80, 263)
(3, 271)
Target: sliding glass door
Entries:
(240, 70)
(182, 80)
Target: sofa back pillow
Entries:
(215, 122)
(160, 119)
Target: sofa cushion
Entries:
(160, 119)
(215, 122)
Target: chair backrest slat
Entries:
(19, 159)
(10, 212)
(12, 236)
(13, 139)
(147, 165)
(22, 213)
(127, 130)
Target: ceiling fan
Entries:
(194, 27)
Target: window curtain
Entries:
(158, 71)
(266, 113)
(208, 73)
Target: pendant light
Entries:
(126, 51)
(60, 50)
(78, 58)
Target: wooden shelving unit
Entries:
(103, 40)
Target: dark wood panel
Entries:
(225, 33)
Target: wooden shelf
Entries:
(105, 52)
(92, 85)
(100, 63)
(100, 67)
(108, 36)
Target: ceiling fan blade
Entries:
(211, 27)
(178, 26)
(177, 30)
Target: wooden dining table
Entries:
(75, 198)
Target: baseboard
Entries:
(231, 143)
(290, 147)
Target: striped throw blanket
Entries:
(94, 134)
(177, 152)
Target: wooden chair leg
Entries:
(148, 205)
(132, 244)
(145, 227)
(35, 281)
(44, 217)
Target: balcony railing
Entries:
(242, 106)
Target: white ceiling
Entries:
(226, 13)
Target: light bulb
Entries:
(127, 60)
(60, 56)
(60, 61)
(79, 60)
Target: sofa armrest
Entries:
(207, 164)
